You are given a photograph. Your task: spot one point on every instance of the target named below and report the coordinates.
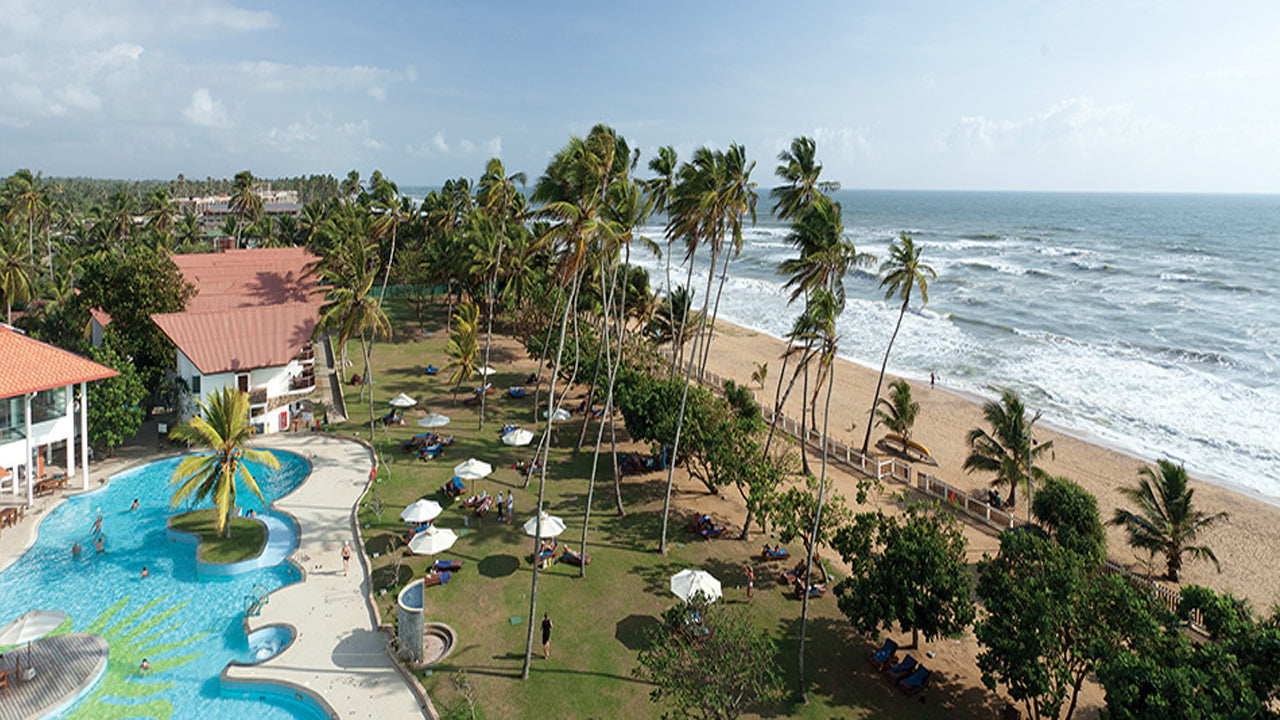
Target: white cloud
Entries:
(493, 146)
(437, 142)
(467, 146)
(377, 93)
(1077, 124)
(78, 97)
(374, 144)
(205, 111)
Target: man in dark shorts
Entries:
(546, 635)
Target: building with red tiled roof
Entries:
(37, 409)
(249, 326)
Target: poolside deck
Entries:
(66, 666)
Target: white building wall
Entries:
(274, 379)
(13, 453)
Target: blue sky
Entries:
(1082, 95)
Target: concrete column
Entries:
(84, 432)
(26, 406)
(71, 434)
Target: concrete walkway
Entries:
(338, 654)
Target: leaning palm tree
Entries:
(1166, 520)
(500, 200)
(1008, 449)
(902, 272)
(799, 168)
(898, 412)
(660, 189)
(222, 429)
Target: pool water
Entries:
(188, 626)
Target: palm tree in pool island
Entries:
(1166, 520)
(902, 272)
(222, 430)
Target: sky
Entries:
(1112, 95)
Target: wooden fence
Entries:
(962, 503)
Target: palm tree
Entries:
(222, 429)
(463, 345)
(898, 412)
(798, 166)
(660, 189)
(902, 271)
(160, 214)
(739, 200)
(16, 270)
(29, 198)
(1166, 520)
(499, 198)
(1008, 450)
(245, 201)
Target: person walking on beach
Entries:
(546, 635)
(346, 557)
(932, 379)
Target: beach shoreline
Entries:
(1244, 544)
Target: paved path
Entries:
(338, 654)
(66, 666)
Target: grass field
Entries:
(247, 536)
(601, 619)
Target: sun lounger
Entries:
(546, 553)
(453, 488)
(789, 577)
(447, 565)
(392, 418)
(883, 657)
(475, 500)
(432, 370)
(484, 506)
(508, 428)
(573, 558)
(440, 578)
(516, 392)
(916, 681)
(816, 590)
(769, 553)
(902, 669)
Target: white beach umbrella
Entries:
(31, 625)
(518, 437)
(688, 584)
(472, 469)
(551, 526)
(559, 414)
(434, 420)
(432, 540)
(421, 511)
(486, 371)
(403, 401)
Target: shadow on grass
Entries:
(498, 566)
(633, 631)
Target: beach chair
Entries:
(547, 553)
(711, 532)
(816, 590)
(453, 488)
(446, 565)
(392, 418)
(475, 500)
(790, 576)
(440, 578)
(916, 681)
(516, 392)
(432, 370)
(485, 505)
(902, 669)
(770, 554)
(883, 657)
(573, 558)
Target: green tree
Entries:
(115, 404)
(1167, 520)
(910, 571)
(1050, 620)
(498, 196)
(1008, 449)
(29, 200)
(222, 430)
(800, 170)
(246, 203)
(903, 272)
(898, 412)
(16, 270)
(1069, 513)
(463, 341)
(716, 678)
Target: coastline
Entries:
(1244, 544)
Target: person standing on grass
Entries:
(346, 557)
(546, 635)
(502, 508)
(511, 506)
(751, 580)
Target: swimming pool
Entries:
(187, 625)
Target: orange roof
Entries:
(248, 278)
(242, 338)
(102, 316)
(31, 366)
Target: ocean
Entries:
(1150, 323)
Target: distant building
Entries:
(249, 326)
(38, 409)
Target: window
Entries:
(13, 423)
(243, 382)
(49, 405)
(195, 384)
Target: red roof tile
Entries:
(28, 365)
(248, 278)
(243, 338)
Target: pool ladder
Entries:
(254, 602)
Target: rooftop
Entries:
(31, 366)
(249, 278)
(242, 338)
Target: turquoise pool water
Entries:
(188, 626)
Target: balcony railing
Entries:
(305, 381)
(258, 396)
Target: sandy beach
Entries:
(1245, 545)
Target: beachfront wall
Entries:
(270, 389)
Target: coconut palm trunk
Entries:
(875, 399)
(488, 338)
(715, 312)
(813, 537)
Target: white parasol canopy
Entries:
(518, 437)
(31, 625)
(551, 526)
(486, 371)
(421, 511)
(434, 420)
(472, 469)
(403, 401)
(688, 584)
(433, 540)
(559, 414)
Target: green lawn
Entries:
(600, 620)
(247, 539)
